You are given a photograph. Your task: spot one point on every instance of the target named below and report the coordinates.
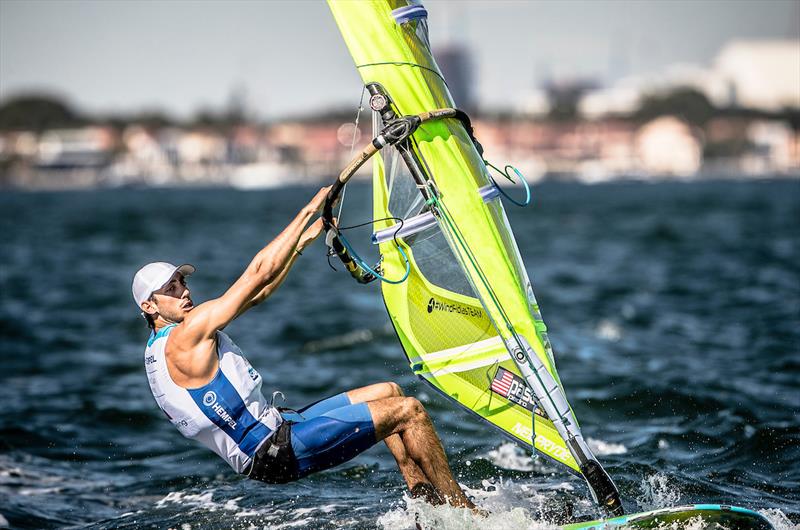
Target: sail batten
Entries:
(473, 349)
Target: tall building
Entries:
(455, 62)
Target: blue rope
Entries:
(506, 175)
(361, 263)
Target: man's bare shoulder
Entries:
(191, 362)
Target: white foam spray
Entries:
(657, 492)
(602, 448)
(779, 520)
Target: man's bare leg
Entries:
(414, 476)
(406, 417)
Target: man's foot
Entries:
(424, 490)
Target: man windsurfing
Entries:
(212, 394)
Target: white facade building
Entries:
(761, 74)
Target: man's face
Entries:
(173, 301)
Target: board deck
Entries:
(728, 517)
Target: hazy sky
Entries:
(289, 57)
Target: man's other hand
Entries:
(311, 233)
(316, 204)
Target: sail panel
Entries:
(467, 283)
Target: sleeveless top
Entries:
(229, 415)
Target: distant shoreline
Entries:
(547, 179)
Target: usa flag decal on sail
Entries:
(513, 388)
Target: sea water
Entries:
(673, 308)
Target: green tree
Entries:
(37, 113)
(687, 103)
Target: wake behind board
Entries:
(712, 515)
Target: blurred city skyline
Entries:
(287, 58)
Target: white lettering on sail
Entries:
(524, 431)
(543, 444)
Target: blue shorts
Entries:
(329, 432)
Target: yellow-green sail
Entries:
(452, 340)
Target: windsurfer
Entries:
(212, 394)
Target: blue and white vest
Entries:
(229, 415)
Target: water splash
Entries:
(609, 330)
(447, 517)
(510, 456)
(510, 504)
(513, 457)
(779, 520)
(657, 492)
(271, 516)
(601, 448)
(200, 501)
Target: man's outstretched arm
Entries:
(311, 233)
(261, 277)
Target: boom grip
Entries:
(358, 161)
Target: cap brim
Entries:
(186, 269)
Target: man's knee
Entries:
(394, 389)
(412, 410)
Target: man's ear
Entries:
(149, 307)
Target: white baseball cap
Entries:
(153, 276)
